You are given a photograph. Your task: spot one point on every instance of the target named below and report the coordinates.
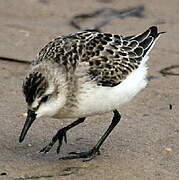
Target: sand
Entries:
(145, 144)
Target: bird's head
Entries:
(44, 97)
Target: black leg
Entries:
(60, 136)
(95, 150)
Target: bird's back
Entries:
(110, 58)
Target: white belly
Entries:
(98, 99)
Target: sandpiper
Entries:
(84, 74)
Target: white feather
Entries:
(100, 99)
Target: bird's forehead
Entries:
(34, 86)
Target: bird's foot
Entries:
(89, 155)
(60, 136)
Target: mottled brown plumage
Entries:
(111, 58)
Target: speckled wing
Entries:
(64, 50)
(112, 57)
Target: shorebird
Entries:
(84, 74)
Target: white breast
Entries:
(97, 99)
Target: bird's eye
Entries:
(44, 99)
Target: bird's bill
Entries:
(31, 116)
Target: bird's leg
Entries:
(60, 136)
(95, 150)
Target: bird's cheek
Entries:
(41, 112)
(46, 110)
(39, 115)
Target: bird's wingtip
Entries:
(155, 29)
